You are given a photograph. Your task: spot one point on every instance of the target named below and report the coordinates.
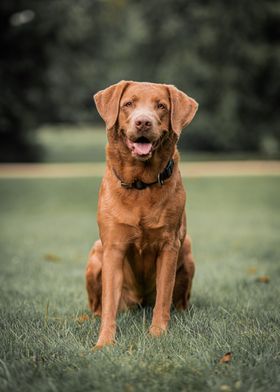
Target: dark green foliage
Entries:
(23, 59)
(225, 54)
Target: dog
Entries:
(143, 256)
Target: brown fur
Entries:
(143, 255)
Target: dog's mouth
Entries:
(140, 147)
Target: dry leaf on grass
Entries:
(226, 358)
(82, 318)
(252, 270)
(51, 257)
(263, 279)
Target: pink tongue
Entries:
(142, 148)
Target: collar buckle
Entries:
(125, 185)
(159, 179)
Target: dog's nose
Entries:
(143, 123)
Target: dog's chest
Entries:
(149, 231)
(148, 228)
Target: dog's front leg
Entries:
(112, 281)
(165, 280)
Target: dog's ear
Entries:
(107, 102)
(183, 109)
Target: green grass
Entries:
(47, 227)
(71, 143)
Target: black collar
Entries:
(138, 184)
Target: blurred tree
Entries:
(55, 54)
(22, 65)
(44, 72)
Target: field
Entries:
(47, 332)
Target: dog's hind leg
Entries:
(184, 276)
(93, 278)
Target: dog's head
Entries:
(144, 113)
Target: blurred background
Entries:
(55, 54)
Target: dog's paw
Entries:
(156, 330)
(102, 344)
(106, 338)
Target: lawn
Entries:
(47, 333)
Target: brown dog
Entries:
(143, 255)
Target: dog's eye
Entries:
(127, 104)
(161, 106)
